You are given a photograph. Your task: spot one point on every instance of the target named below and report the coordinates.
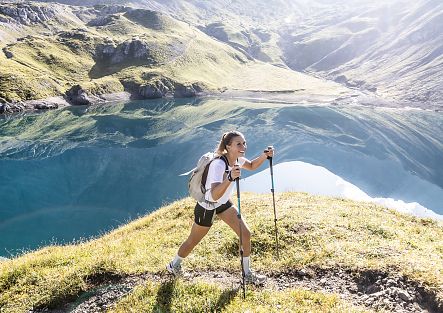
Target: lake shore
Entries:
(277, 96)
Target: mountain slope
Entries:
(389, 48)
(394, 49)
(108, 49)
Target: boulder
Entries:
(4, 108)
(405, 296)
(78, 96)
(12, 107)
(8, 53)
(45, 106)
(182, 91)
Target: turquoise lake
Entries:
(80, 171)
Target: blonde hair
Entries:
(226, 140)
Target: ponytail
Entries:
(226, 140)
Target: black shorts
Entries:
(205, 217)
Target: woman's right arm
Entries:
(219, 188)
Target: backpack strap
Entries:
(206, 170)
(225, 159)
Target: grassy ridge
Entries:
(314, 231)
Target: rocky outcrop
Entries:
(163, 87)
(5, 108)
(88, 13)
(111, 9)
(76, 33)
(78, 96)
(7, 53)
(16, 107)
(26, 13)
(103, 20)
(182, 91)
(45, 106)
(128, 51)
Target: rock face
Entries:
(103, 20)
(130, 50)
(111, 9)
(78, 96)
(14, 107)
(26, 14)
(163, 87)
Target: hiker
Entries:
(223, 170)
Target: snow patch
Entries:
(305, 177)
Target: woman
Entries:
(220, 185)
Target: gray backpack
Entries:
(197, 180)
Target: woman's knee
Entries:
(246, 233)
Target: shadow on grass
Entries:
(166, 292)
(164, 296)
(225, 298)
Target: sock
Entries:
(177, 260)
(246, 268)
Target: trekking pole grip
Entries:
(267, 150)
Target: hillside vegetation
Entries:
(317, 234)
(85, 52)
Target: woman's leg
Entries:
(230, 217)
(197, 234)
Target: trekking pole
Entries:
(237, 181)
(273, 201)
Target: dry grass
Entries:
(314, 231)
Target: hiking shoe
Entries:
(176, 270)
(254, 278)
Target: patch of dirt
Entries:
(371, 289)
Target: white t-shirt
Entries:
(216, 174)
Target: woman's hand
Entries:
(235, 172)
(269, 151)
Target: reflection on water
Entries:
(74, 172)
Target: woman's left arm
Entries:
(255, 163)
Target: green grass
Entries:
(314, 231)
(177, 296)
(49, 62)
